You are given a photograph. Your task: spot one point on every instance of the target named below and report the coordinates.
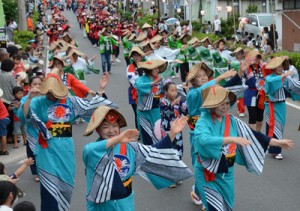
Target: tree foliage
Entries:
(10, 8)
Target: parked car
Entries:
(257, 21)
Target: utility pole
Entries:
(22, 23)
(171, 8)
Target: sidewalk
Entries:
(15, 155)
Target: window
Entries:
(291, 4)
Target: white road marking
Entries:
(293, 105)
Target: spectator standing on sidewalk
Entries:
(217, 26)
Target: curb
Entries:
(15, 155)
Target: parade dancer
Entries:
(220, 140)
(53, 115)
(149, 87)
(114, 158)
(275, 105)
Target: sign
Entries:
(2, 30)
(3, 44)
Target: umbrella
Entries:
(171, 21)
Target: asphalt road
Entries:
(276, 189)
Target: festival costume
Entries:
(169, 113)
(214, 169)
(275, 105)
(55, 159)
(109, 171)
(148, 111)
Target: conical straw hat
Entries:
(152, 64)
(140, 37)
(275, 62)
(146, 25)
(54, 85)
(136, 49)
(100, 114)
(215, 96)
(195, 68)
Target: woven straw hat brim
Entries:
(22, 75)
(144, 43)
(66, 35)
(184, 35)
(204, 39)
(236, 51)
(195, 68)
(57, 88)
(193, 41)
(216, 43)
(140, 37)
(136, 49)
(99, 116)
(146, 25)
(254, 53)
(132, 37)
(79, 53)
(215, 96)
(156, 39)
(275, 63)
(60, 59)
(152, 64)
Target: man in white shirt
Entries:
(217, 25)
(178, 28)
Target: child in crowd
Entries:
(171, 107)
(19, 66)
(18, 125)
(4, 121)
(24, 206)
(14, 178)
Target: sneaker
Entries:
(177, 75)
(241, 114)
(172, 186)
(95, 46)
(278, 157)
(173, 77)
(179, 183)
(196, 200)
(118, 60)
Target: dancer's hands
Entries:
(177, 126)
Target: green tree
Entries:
(252, 8)
(10, 9)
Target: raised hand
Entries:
(156, 81)
(177, 126)
(33, 93)
(228, 74)
(29, 161)
(103, 82)
(128, 135)
(177, 100)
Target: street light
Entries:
(178, 10)
(152, 2)
(202, 12)
(219, 8)
(229, 9)
(163, 1)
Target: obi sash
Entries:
(192, 121)
(128, 182)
